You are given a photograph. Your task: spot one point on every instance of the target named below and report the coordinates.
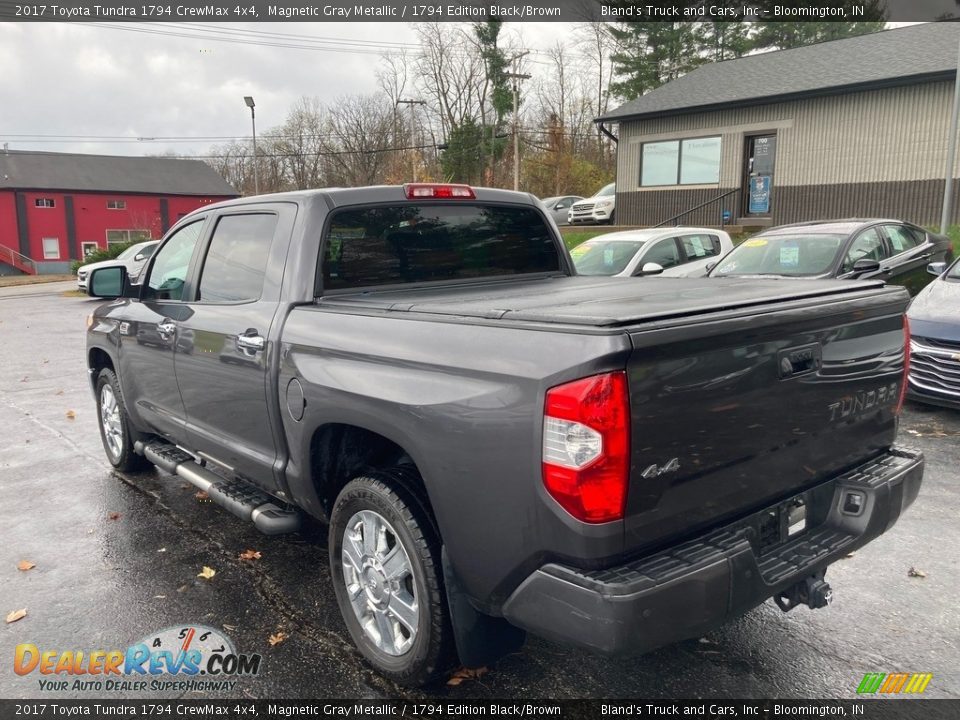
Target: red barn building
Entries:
(57, 207)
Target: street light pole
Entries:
(253, 121)
(413, 150)
(517, 77)
(951, 154)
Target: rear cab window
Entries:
(418, 243)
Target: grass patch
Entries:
(73, 293)
(572, 239)
(16, 280)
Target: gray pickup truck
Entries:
(498, 445)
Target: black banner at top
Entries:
(222, 11)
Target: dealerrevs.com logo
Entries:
(179, 658)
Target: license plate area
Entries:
(780, 523)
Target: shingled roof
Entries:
(25, 170)
(901, 56)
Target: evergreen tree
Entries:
(652, 53)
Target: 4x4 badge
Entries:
(654, 471)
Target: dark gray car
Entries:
(559, 207)
(935, 339)
(891, 250)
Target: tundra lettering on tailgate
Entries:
(863, 400)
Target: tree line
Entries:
(464, 78)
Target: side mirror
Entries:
(936, 268)
(866, 265)
(139, 256)
(650, 268)
(109, 283)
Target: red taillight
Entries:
(586, 446)
(415, 191)
(906, 364)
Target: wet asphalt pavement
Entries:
(102, 583)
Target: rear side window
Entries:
(424, 243)
(901, 238)
(697, 247)
(236, 261)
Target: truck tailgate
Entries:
(736, 412)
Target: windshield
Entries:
(604, 257)
(607, 190)
(129, 252)
(787, 255)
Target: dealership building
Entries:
(848, 128)
(58, 207)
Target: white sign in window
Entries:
(51, 248)
(700, 161)
(88, 248)
(659, 163)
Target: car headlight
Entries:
(604, 203)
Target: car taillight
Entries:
(586, 446)
(906, 364)
(430, 190)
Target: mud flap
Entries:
(481, 639)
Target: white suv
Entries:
(596, 209)
(134, 257)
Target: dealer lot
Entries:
(102, 583)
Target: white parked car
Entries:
(669, 251)
(599, 208)
(134, 257)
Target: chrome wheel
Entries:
(110, 419)
(379, 579)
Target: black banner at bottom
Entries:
(892, 709)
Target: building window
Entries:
(51, 248)
(88, 248)
(44, 203)
(116, 204)
(680, 162)
(122, 237)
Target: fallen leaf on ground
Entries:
(229, 628)
(25, 565)
(113, 516)
(24, 379)
(17, 615)
(250, 555)
(466, 673)
(913, 572)
(201, 495)
(207, 573)
(59, 392)
(71, 415)
(850, 554)
(277, 638)
(183, 588)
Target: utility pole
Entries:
(413, 151)
(951, 155)
(516, 77)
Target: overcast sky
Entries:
(81, 79)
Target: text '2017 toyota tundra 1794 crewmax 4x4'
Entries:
(498, 445)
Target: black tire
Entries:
(432, 651)
(121, 455)
(612, 220)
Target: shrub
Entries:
(100, 255)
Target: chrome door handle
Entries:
(166, 327)
(251, 340)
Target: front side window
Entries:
(867, 246)
(236, 261)
(51, 248)
(169, 270)
(425, 243)
(664, 253)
